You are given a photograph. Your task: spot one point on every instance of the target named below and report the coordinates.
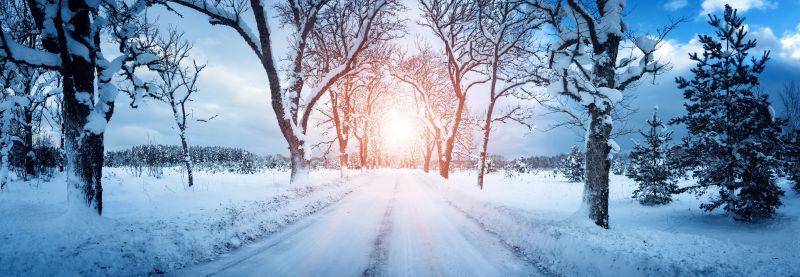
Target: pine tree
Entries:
(618, 166)
(573, 165)
(651, 166)
(732, 140)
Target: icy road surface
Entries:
(394, 225)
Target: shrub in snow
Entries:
(651, 166)
(516, 167)
(732, 140)
(573, 165)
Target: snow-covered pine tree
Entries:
(573, 166)
(651, 167)
(732, 140)
(618, 166)
(516, 167)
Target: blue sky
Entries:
(233, 85)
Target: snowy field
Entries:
(388, 222)
(151, 225)
(534, 213)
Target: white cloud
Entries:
(674, 5)
(711, 6)
(787, 46)
(790, 45)
(677, 54)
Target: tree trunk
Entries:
(444, 168)
(27, 146)
(426, 166)
(62, 158)
(187, 158)
(365, 154)
(598, 164)
(342, 163)
(363, 147)
(487, 129)
(299, 165)
(84, 150)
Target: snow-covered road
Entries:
(394, 225)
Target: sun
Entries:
(398, 132)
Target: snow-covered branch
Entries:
(227, 13)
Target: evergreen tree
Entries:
(573, 165)
(651, 167)
(732, 140)
(618, 166)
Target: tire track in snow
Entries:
(290, 229)
(378, 256)
(518, 252)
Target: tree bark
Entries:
(363, 151)
(598, 164)
(340, 126)
(299, 164)
(444, 165)
(487, 129)
(84, 150)
(27, 146)
(426, 166)
(595, 194)
(187, 158)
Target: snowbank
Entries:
(151, 225)
(534, 214)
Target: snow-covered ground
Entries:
(395, 226)
(151, 225)
(385, 222)
(535, 213)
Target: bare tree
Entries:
(352, 99)
(176, 82)
(360, 24)
(453, 22)
(341, 112)
(790, 103)
(426, 73)
(507, 30)
(585, 57)
(369, 107)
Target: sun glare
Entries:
(398, 132)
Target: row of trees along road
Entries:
(580, 51)
(484, 42)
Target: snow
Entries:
(395, 226)
(611, 22)
(536, 212)
(612, 95)
(27, 54)
(216, 13)
(150, 225)
(646, 44)
(381, 222)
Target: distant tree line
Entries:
(151, 159)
